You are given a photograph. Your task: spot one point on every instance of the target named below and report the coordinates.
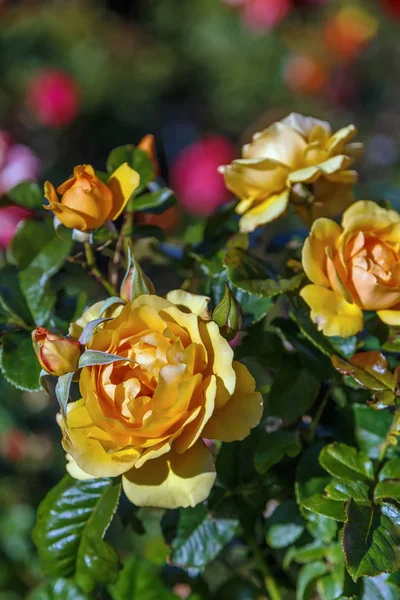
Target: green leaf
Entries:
(58, 589)
(118, 156)
(371, 428)
(379, 588)
(285, 525)
(344, 346)
(331, 585)
(311, 333)
(343, 490)
(154, 202)
(96, 357)
(199, 538)
(371, 539)
(273, 447)
(12, 300)
(18, 361)
(293, 392)
(90, 328)
(309, 553)
(140, 580)
(39, 262)
(307, 578)
(389, 481)
(63, 387)
(326, 507)
(27, 194)
(346, 462)
(71, 524)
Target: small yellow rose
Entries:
(57, 355)
(353, 267)
(86, 202)
(294, 159)
(144, 417)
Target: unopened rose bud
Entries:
(228, 315)
(57, 355)
(135, 283)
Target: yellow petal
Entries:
(220, 355)
(339, 139)
(324, 234)
(265, 212)
(172, 480)
(75, 471)
(331, 313)
(67, 216)
(390, 317)
(254, 178)
(122, 183)
(197, 304)
(93, 449)
(279, 142)
(307, 125)
(243, 411)
(369, 216)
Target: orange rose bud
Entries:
(148, 145)
(57, 355)
(86, 202)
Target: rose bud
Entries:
(57, 355)
(86, 202)
(148, 145)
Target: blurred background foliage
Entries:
(81, 77)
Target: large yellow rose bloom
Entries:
(353, 267)
(144, 417)
(295, 152)
(86, 202)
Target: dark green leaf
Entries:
(154, 202)
(137, 159)
(311, 333)
(118, 156)
(293, 392)
(18, 361)
(344, 346)
(273, 447)
(389, 481)
(140, 580)
(371, 539)
(27, 194)
(346, 462)
(59, 589)
(285, 525)
(71, 524)
(199, 538)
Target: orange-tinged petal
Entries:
(148, 145)
(172, 480)
(122, 183)
(67, 216)
(243, 411)
(324, 234)
(331, 313)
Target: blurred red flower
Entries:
(194, 176)
(53, 97)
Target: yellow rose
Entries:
(57, 355)
(295, 157)
(353, 267)
(87, 202)
(144, 417)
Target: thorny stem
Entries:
(91, 263)
(269, 581)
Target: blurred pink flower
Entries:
(262, 15)
(194, 176)
(17, 163)
(53, 97)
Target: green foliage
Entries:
(69, 533)
(140, 579)
(58, 589)
(18, 362)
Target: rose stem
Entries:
(91, 263)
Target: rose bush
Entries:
(353, 267)
(295, 160)
(144, 415)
